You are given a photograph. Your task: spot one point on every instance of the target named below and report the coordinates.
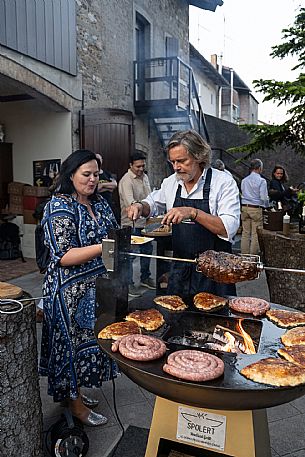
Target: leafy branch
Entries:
(292, 93)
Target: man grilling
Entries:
(202, 204)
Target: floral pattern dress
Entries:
(70, 355)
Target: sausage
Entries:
(140, 347)
(193, 365)
(251, 305)
(115, 346)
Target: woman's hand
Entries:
(294, 190)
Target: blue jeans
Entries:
(146, 248)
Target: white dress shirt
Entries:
(223, 200)
(254, 190)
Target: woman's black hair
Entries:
(285, 175)
(69, 167)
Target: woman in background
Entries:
(75, 221)
(278, 190)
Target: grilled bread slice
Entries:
(149, 319)
(294, 354)
(294, 337)
(275, 372)
(172, 302)
(118, 329)
(208, 302)
(285, 318)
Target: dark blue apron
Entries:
(189, 240)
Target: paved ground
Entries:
(135, 405)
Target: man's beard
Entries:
(185, 177)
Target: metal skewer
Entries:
(33, 298)
(260, 266)
(161, 257)
(109, 249)
(288, 270)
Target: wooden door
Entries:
(6, 172)
(110, 133)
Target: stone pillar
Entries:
(281, 251)
(20, 404)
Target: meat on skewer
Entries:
(226, 268)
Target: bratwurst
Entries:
(193, 365)
(140, 347)
(251, 305)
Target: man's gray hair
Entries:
(195, 145)
(255, 164)
(219, 165)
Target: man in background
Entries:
(254, 198)
(219, 165)
(134, 187)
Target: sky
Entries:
(243, 32)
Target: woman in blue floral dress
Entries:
(75, 222)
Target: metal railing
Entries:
(165, 87)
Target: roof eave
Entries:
(209, 5)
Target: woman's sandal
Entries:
(94, 419)
(87, 401)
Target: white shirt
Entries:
(223, 200)
(254, 190)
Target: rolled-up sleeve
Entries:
(157, 202)
(227, 207)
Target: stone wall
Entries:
(224, 135)
(106, 45)
(106, 51)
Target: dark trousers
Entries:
(146, 248)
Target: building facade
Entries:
(83, 73)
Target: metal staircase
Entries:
(165, 90)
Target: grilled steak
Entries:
(226, 268)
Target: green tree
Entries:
(291, 132)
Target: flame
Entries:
(248, 342)
(230, 346)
